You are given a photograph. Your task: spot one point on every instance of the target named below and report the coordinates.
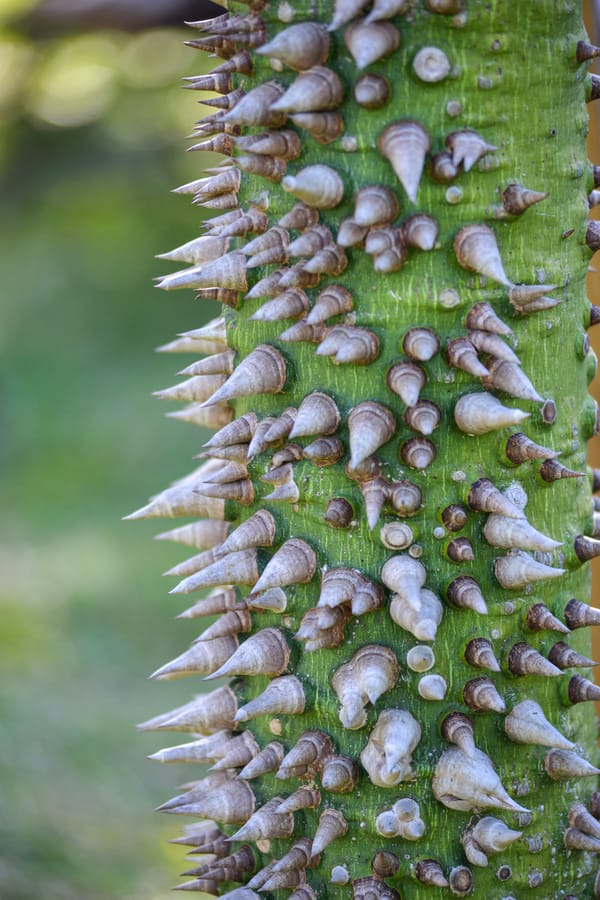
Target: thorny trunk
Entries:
(404, 582)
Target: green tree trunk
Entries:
(402, 264)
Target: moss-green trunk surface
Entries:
(515, 80)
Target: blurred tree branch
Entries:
(127, 15)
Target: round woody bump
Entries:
(339, 513)
(418, 452)
(421, 344)
(263, 371)
(371, 91)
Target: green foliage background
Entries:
(89, 141)
(82, 611)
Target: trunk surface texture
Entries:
(394, 517)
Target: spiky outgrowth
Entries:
(394, 546)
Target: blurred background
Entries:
(91, 128)
(92, 120)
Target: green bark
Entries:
(514, 79)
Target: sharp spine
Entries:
(332, 825)
(468, 781)
(235, 568)
(586, 548)
(525, 660)
(200, 659)
(561, 765)
(205, 714)
(505, 532)
(303, 798)
(268, 760)
(581, 690)
(264, 653)
(539, 618)
(217, 602)
(480, 413)
(552, 470)
(266, 823)
(520, 449)
(527, 724)
(565, 657)
(283, 695)
(518, 569)
(580, 615)
(308, 755)
(406, 144)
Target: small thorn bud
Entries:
(592, 235)
(586, 548)
(580, 615)
(551, 470)
(580, 690)
(586, 51)
(521, 449)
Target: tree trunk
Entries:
(405, 626)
